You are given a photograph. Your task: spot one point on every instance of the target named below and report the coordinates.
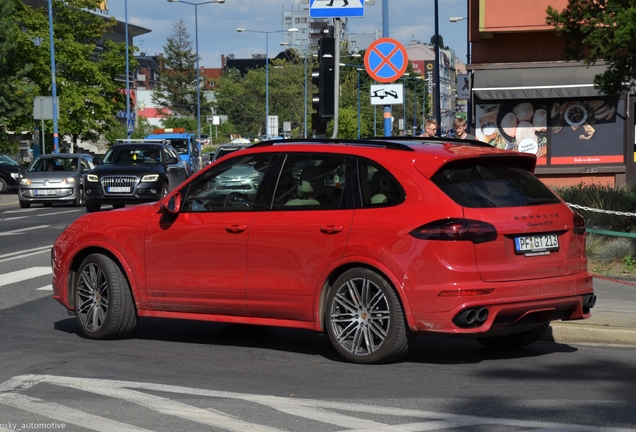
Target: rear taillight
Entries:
(456, 230)
(579, 224)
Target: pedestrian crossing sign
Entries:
(336, 8)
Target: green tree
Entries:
(16, 88)
(86, 66)
(600, 30)
(177, 90)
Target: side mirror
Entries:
(173, 204)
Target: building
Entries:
(526, 97)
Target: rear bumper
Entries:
(510, 308)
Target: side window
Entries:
(377, 186)
(230, 186)
(313, 181)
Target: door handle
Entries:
(234, 229)
(331, 229)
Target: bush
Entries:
(621, 199)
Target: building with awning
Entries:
(524, 96)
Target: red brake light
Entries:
(579, 224)
(456, 230)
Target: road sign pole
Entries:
(385, 34)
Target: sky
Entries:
(217, 23)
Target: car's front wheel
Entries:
(3, 186)
(516, 340)
(79, 201)
(365, 320)
(104, 305)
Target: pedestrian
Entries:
(430, 128)
(460, 129)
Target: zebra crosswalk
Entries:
(28, 283)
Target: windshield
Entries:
(129, 155)
(180, 145)
(7, 160)
(54, 164)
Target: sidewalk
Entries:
(613, 318)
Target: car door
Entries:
(197, 261)
(177, 171)
(293, 244)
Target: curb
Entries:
(592, 334)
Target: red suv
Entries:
(371, 241)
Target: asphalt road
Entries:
(197, 376)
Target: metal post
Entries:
(404, 105)
(385, 33)
(127, 75)
(468, 104)
(196, 49)
(306, 55)
(437, 98)
(267, 84)
(358, 70)
(53, 87)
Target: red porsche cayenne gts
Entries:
(371, 241)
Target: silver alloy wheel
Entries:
(91, 297)
(360, 316)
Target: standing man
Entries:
(460, 129)
(430, 128)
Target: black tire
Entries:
(25, 204)
(516, 340)
(364, 318)
(165, 190)
(3, 186)
(79, 201)
(104, 306)
(90, 208)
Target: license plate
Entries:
(540, 244)
(44, 192)
(118, 189)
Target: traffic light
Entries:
(324, 77)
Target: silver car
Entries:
(55, 178)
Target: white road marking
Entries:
(14, 218)
(21, 230)
(329, 413)
(25, 274)
(45, 288)
(57, 213)
(25, 253)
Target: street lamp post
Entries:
(290, 30)
(453, 20)
(196, 49)
(305, 55)
(56, 141)
(128, 130)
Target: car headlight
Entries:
(25, 182)
(69, 180)
(150, 178)
(15, 175)
(92, 178)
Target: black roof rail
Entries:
(375, 142)
(458, 141)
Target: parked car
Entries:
(226, 149)
(134, 173)
(370, 241)
(55, 178)
(9, 174)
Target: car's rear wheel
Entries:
(90, 208)
(3, 186)
(103, 303)
(365, 320)
(25, 204)
(79, 201)
(516, 340)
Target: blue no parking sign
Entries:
(386, 60)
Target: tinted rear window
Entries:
(481, 184)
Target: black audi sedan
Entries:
(9, 174)
(134, 172)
